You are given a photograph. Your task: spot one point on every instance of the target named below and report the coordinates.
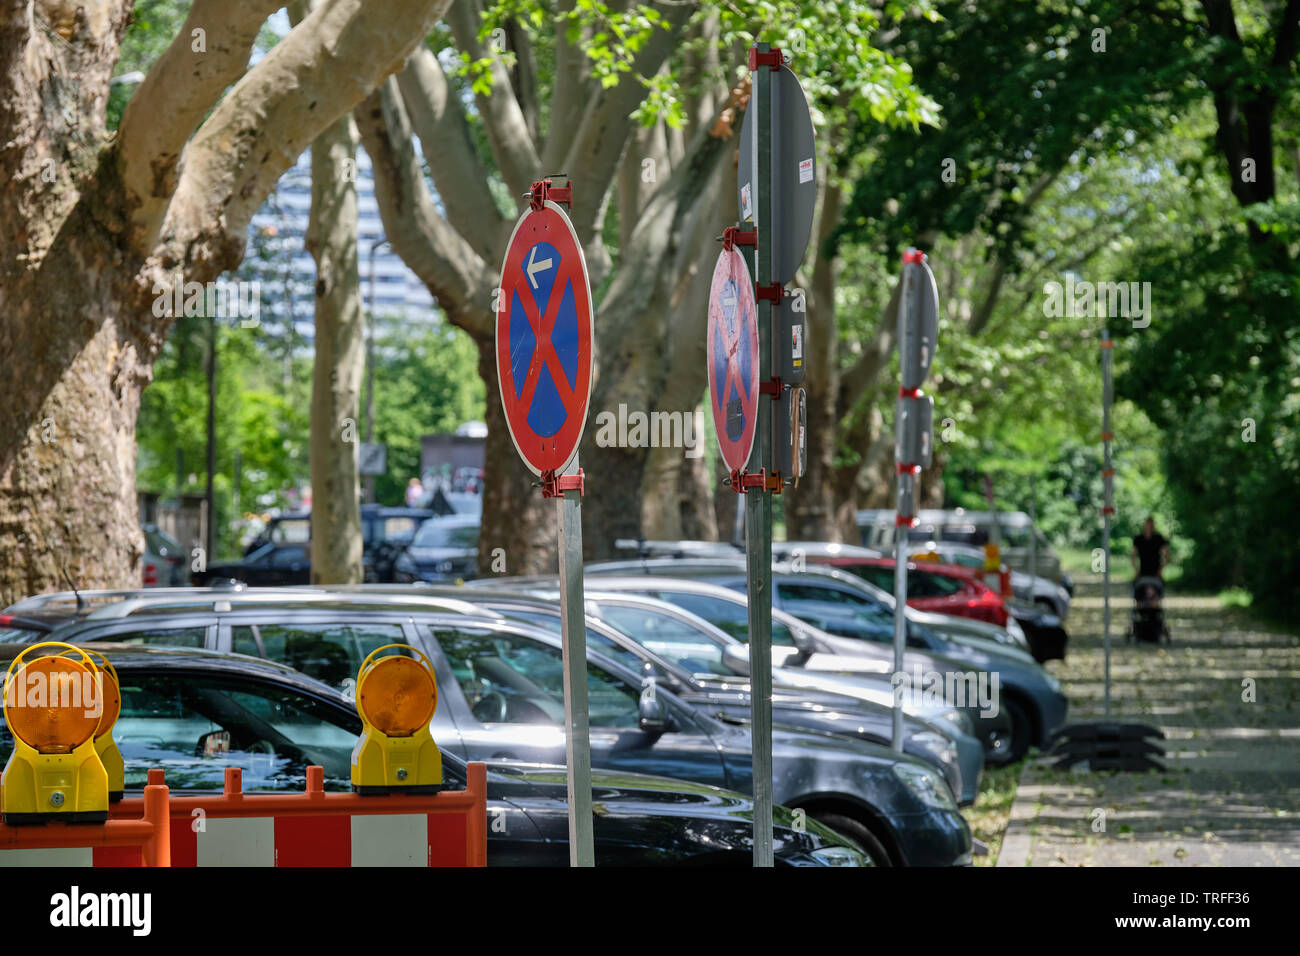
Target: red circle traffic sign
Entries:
(544, 339)
(733, 358)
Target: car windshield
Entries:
(437, 534)
(668, 636)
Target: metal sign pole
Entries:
(901, 526)
(758, 502)
(577, 739)
(1108, 508)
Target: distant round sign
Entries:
(544, 339)
(733, 358)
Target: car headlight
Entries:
(959, 719)
(926, 785)
(443, 567)
(937, 744)
(1015, 630)
(840, 856)
(1052, 682)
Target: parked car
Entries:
(501, 698)
(174, 699)
(165, 562)
(942, 588)
(687, 654)
(443, 549)
(281, 554)
(849, 608)
(1036, 590)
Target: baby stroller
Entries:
(1147, 623)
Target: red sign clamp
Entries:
(542, 190)
(771, 59)
(742, 482)
(554, 486)
(734, 236)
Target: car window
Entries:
(328, 652)
(293, 531)
(163, 636)
(399, 528)
(813, 592)
(439, 534)
(512, 679)
(729, 616)
(551, 622)
(287, 557)
(879, 575)
(929, 584)
(195, 726)
(667, 636)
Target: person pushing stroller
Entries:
(1149, 556)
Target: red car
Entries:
(941, 588)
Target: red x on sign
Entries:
(544, 339)
(733, 358)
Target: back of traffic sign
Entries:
(794, 173)
(733, 358)
(544, 338)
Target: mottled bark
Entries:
(86, 254)
(340, 358)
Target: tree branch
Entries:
(436, 115)
(512, 145)
(595, 150)
(173, 98)
(324, 67)
(444, 261)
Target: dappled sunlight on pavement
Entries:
(1226, 694)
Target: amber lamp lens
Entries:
(398, 696)
(53, 704)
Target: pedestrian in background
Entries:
(414, 492)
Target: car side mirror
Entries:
(653, 714)
(736, 657)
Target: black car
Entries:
(443, 549)
(279, 722)
(281, 554)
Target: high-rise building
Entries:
(278, 258)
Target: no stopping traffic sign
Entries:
(543, 339)
(733, 358)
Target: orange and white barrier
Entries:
(142, 834)
(315, 828)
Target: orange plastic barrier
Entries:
(315, 828)
(142, 833)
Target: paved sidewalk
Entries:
(1230, 795)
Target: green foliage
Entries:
(426, 382)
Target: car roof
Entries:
(913, 564)
(127, 657)
(60, 608)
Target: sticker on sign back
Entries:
(806, 171)
(746, 202)
(796, 343)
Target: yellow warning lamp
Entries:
(926, 556)
(396, 698)
(53, 706)
(105, 745)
